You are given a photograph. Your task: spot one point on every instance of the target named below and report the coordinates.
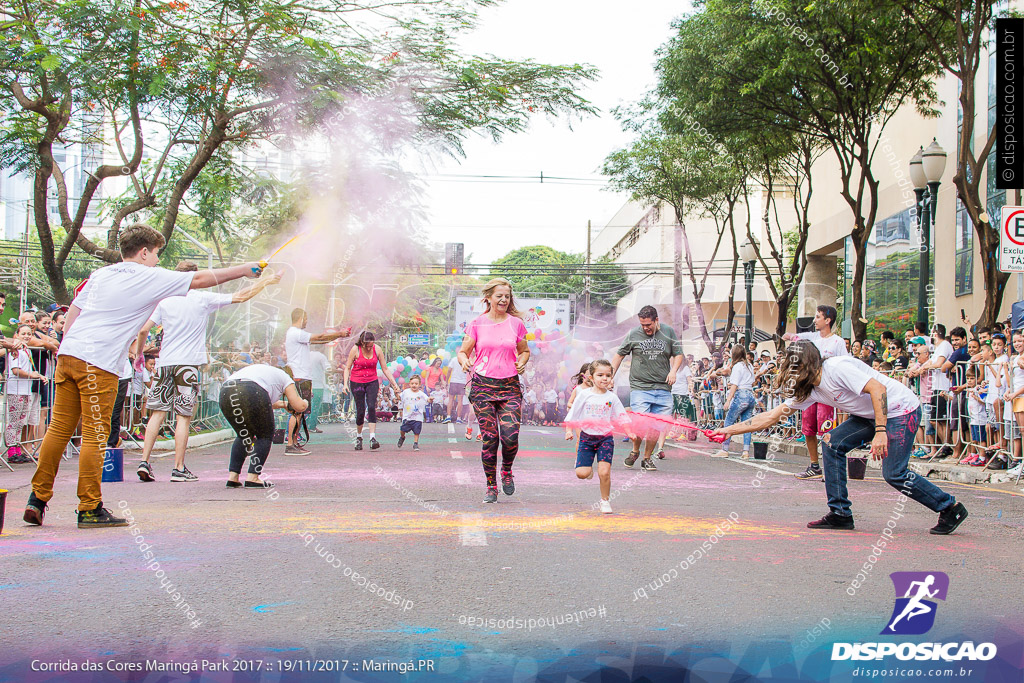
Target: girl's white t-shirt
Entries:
(598, 410)
(19, 386)
(742, 376)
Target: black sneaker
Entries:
(631, 458)
(34, 510)
(492, 494)
(374, 444)
(183, 475)
(415, 446)
(145, 472)
(832, 521)
(507, 485)
(100, 517)
(359, 443)
(401, 439)
(812, 472)
(949, 519)
(647, 465)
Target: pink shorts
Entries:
(815, 417)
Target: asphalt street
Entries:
(392, 555)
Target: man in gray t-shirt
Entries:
(656, 354)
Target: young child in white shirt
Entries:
(413, 402)
(550, 406)
(438, 402)
(978, 415)
(598, 407)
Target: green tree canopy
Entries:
(543, 270)
(166, 88)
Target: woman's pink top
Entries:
(364, 369)
(495, 345)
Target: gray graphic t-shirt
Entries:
(651, 357)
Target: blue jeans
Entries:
(741, 408)
(651, 401)
(858, 431)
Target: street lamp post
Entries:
(926, 167)
(748, 252)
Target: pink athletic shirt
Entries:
(495, 347)
(364, 369)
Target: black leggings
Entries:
(250, 413)
(365, 394)
(115, 414)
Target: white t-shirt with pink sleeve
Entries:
(495, 345)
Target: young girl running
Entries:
(597, 406)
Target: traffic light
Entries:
(453, 258)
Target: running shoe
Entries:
(35, 509)
(800, 439)
(401, 439)
(832, 521)
(507, 485)
(723, 453)
(316, 430)
(661, 454)
(949, 519)
(631, 458)
(469, 433)
(606, 507)
(299, 450)
(446, 421)
(415, 446)
(374, 444)
(647, 464)
(480, 436)
(359, 443)
(492, 494)
(100, 517)
(145, 472)
(919, 453)
(1015, 470)
(183, 475)
(626, 440)
(813, 471)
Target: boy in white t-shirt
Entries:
(438, 401)
(597, 407)
(102, 322)
(529, 402)
(413, 402)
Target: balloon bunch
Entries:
(408, 366)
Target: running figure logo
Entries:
(914, 612)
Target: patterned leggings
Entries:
(498, 404)
(17, 415)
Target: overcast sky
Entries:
(493, 218)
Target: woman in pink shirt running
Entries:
(496, 342)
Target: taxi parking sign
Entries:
(1011, 240)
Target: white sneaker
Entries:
(606, 507)
(721, 454)
(1014, 471)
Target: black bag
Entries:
(278, 436)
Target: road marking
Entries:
(451, 428)
(472, 530)
(730, 459)
(456, 454)
(463, 478)
(452, 440)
